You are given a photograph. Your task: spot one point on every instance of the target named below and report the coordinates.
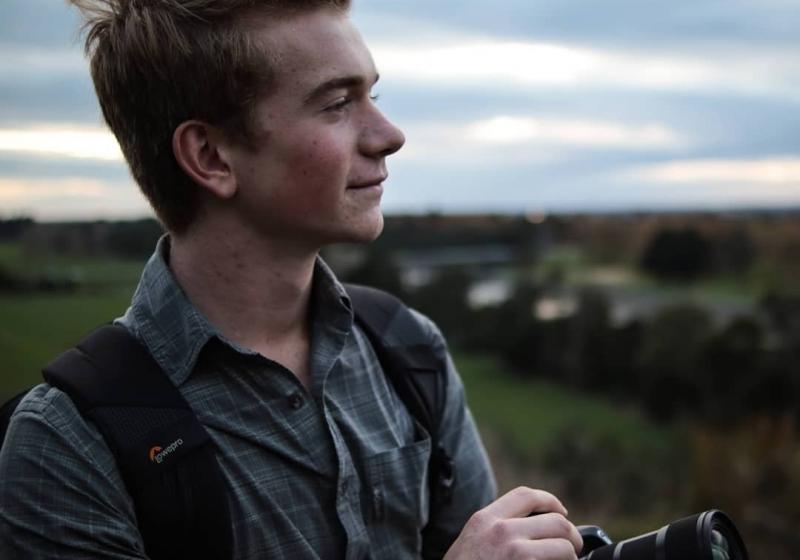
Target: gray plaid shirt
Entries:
(339, 471)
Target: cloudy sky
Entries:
(508, 105)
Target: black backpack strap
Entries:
(417, 374)
(166, 458)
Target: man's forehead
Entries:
(316, 47)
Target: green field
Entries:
(531, 413)
(37, 326)
(91, 273)
(604, 460)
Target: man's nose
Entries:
(380, 137)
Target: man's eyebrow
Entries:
(344, 82)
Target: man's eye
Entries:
(342, 103)
(338, 105)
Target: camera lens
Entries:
(719, 546)
(710, 535)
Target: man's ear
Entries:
(201, 151)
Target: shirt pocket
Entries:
(394, 493)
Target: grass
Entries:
(531, 413)
(557, 436)
(91, 273)
(10, 252)
(36, 328)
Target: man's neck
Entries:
(256, 293)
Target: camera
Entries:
(710, 535)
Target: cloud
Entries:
(775, 171)
(69, 198)
(574, 132)
(527, 138)
(26, 63)
(500, 64)
(628, 24)
(15, 190)
(61, 141)
(714, 183)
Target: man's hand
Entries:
(508, 529)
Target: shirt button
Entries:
(296, 401)
(377, 503)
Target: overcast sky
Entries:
(507, 105)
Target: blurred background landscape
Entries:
(599, 203)
(642, 366)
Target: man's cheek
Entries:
(318, 181)
(320, 158)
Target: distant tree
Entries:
(13, 228)
(734, 251)
(379, 270)
(9, 282)
(670, 360)
(622, 350)
(445, 301)
(44, 282)
(775, 388)
(783, 313)
(677, 254)
(538, 349)
(587, 354)
(133, 239)
(779, 386)
(582, 351)
(496, 329)
(732, 361)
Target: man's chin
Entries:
(369, 234)
(365, 232)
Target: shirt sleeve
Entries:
(475, 485)
(61, 495)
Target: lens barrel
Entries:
(710, 535)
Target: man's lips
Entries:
(367, 183)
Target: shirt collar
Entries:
(174, 331)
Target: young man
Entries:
(251, 128)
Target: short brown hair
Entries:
(158, 63)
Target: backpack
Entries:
(167, 459)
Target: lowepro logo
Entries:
(158, 454)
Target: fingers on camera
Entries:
(545, 549)
(529, 523)
(524, 501)
(548, 526)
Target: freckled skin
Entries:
(294, 186)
